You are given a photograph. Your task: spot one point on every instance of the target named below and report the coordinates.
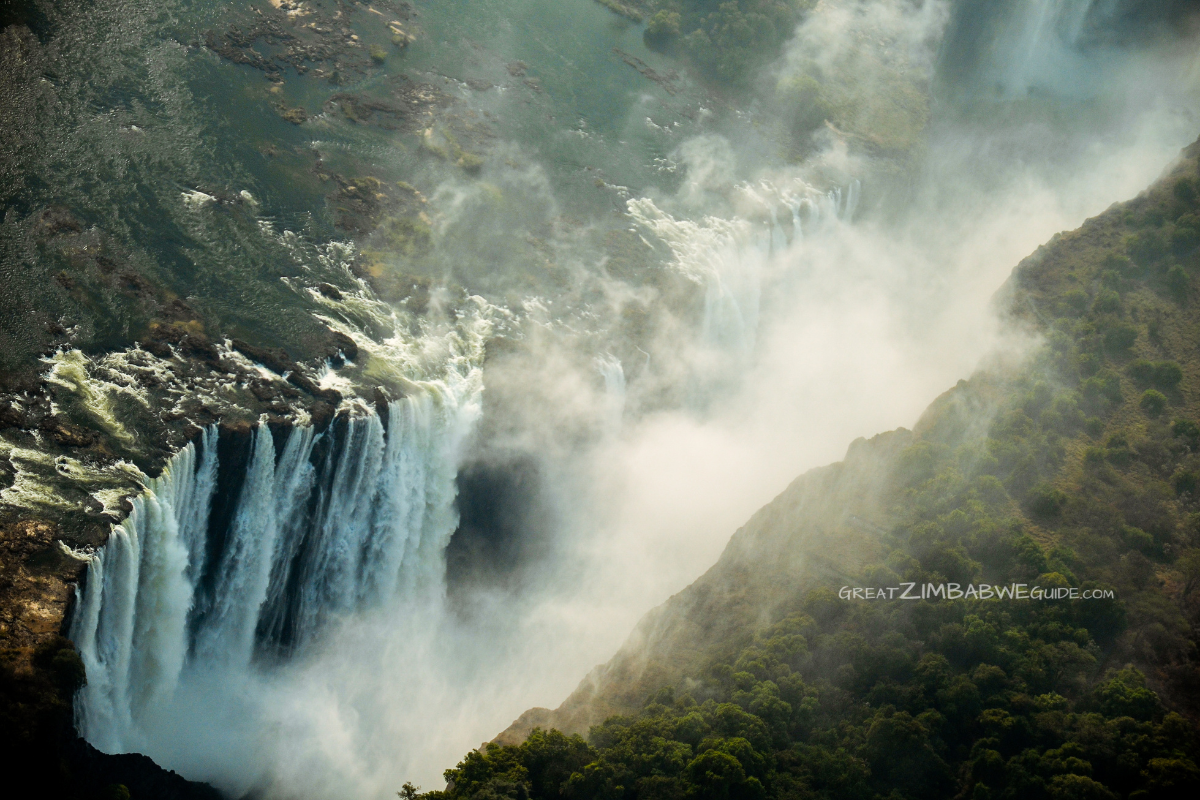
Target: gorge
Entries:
(369, 371)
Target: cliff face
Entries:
(1085, 446)
(36, 579)
(40, 673)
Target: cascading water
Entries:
(723, 256)
(779, 241)
(245, 548)
(1036, 45)
(614, 390)
(728, 257)
(131, 618)
(853, 190)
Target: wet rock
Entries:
(667, 82)
(178, 311)
(132, 283)
(315, 36)
(271, 391)
(345, 345)
(188, 340)
(149, 380)
(66, 433)
(235, 429)
(12, 417)
(275, 359)
(330, 291)
(281, 428)
(203, 414)
(307, 384)
(158, 348)
(407, 106)
(56, 220)
(322, 415)
(381, 400)
(296, 116)
(8, 472)
(199, 346)
(360, 204)
(264, 391)
(228, 47)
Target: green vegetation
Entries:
(725, 39)
(1077, 469)
(803, 103)
(441, 142)
(867, 88)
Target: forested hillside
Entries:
(727, 40)
(1076, 464)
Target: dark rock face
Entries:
(40, 673)
(277, 360)
(66, 433)
(345, 345)
(95, 771)
(322, 415)
(35, 587)
(381, 400)
(505, 523)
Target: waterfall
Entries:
(794, 205)
(1037, 44)
(853, 190)
(249, 544)
(614, 390)
(727, 258)
(130, 622)
(779, 242)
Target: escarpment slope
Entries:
(823, 528)
(1075, 465)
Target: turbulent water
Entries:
(642, 312)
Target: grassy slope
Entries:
(1076, 467)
